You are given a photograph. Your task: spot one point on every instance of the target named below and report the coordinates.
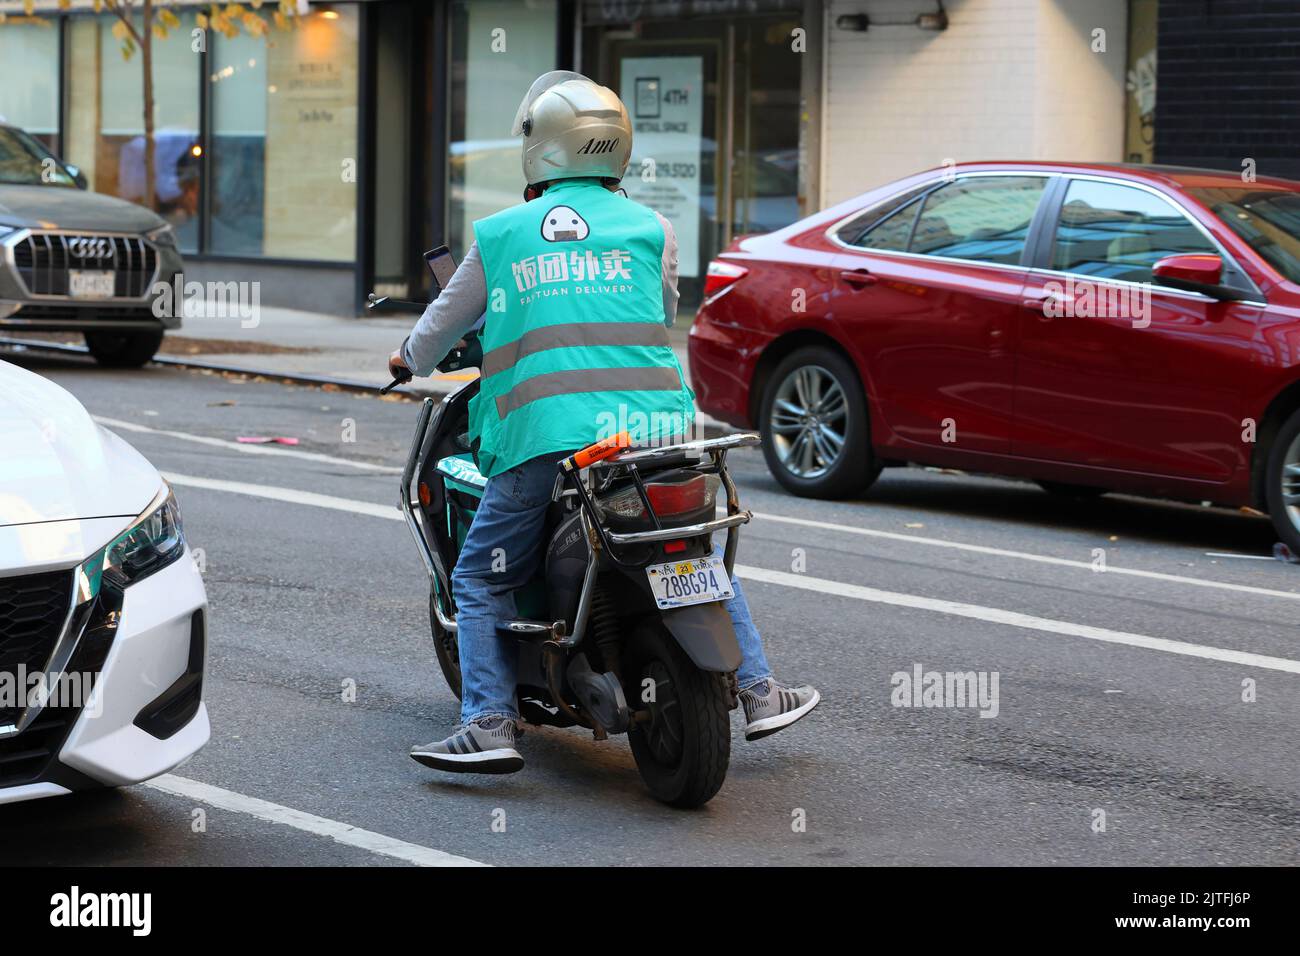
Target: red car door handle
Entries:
(1040, 304)
(858, 278)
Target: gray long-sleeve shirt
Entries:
(459, 306)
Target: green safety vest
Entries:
(574, 344)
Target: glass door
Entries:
(715, 114)
(672, 91)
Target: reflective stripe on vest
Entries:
(655, 378)
(572, 334)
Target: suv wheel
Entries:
(813, 419)
(1282, 483)
(123, 349)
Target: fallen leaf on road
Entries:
(227, 402)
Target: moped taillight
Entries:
(669, 497)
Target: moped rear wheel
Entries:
(445, 647)
(683, 750)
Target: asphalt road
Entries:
(1114, 697)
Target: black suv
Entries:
(77, 261)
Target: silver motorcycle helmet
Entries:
(572, 127)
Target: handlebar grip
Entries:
(400, 380)
(602, 449)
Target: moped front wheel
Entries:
(683, 749)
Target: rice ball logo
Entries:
(563, 224)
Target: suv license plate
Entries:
(88, 284)
(697, 581)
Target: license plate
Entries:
(697, 581)
(91, 284)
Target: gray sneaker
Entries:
(769, 707)
(483, 746)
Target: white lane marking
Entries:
(1016, 619)
(344, 833)
(822, 586)
(1024, 556)
(289, 495)
(767, 516)
(248, 449)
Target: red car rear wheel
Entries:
(1283, 483)
(813, 419)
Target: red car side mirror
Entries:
(1199, 268)
(1196, 272)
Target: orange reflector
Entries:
(426, 496)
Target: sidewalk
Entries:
(290, 342)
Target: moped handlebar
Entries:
(384, 303)
(399, 380)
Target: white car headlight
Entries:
(155, 540)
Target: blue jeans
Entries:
(502, 551)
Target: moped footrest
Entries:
(532, 630)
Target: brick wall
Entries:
(1008, 79)
(1228, 84)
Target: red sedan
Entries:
(1091, 327)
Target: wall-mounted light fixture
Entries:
(860, 22)
(933, 21)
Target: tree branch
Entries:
(123, 11)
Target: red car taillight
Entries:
(721, 275)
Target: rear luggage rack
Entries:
(633, 460)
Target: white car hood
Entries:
(56, 464)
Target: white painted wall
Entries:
(1008, 79)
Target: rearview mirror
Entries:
(1194, 272)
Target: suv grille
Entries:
(44, 258)
(33, 608)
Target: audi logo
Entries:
(90, 247)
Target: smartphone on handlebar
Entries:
(442, 265)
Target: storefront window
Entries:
(498, 48)
(284, 140)
(31, 51)
(106, 120)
